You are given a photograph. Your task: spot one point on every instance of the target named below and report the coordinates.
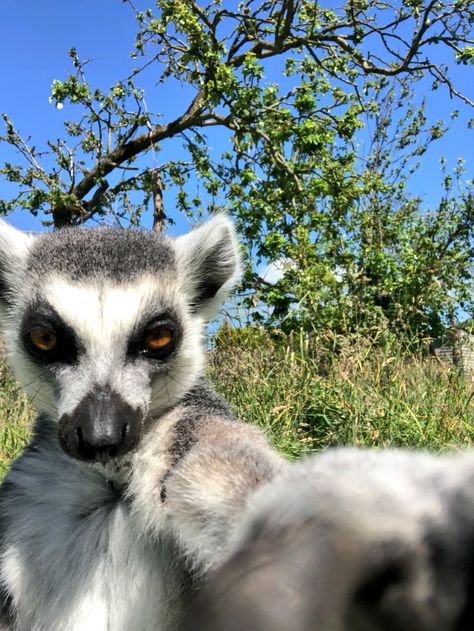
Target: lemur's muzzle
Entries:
(103, 426)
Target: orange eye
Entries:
(43, 339)
(158, 338)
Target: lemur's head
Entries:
(104, 326)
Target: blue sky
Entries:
(36, 37)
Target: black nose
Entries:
(103, 426)
(102, 445)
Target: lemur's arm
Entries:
(354, 541)
(198, 489)
(208, 492)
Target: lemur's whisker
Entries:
(180, 383)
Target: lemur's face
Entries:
(104, 327)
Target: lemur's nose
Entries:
(103, 426)
(101, 445)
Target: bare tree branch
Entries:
(159, 216)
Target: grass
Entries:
(327, 390)
(16, 416)
(312, 393)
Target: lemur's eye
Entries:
(158, 338)
(47, 338)
(43, 339)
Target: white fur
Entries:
(14, 244)
(122, 588)
(103, 316)
(193, 248)
(14, 248)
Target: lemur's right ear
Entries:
(14, 247)
(209, 262)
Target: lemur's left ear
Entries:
(14, 247)
(209, 260)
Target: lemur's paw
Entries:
(352, 541)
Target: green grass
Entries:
(308, 394)
(16, 416)
(328, 390)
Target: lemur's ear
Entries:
(209, 260)
(14, 247)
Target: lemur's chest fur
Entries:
(114, 548)
(76, 542)
(76, 536)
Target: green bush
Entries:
(16, 415)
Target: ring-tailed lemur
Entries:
(138, 481)
(137, 471)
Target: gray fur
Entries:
(186, 429)
(352, 541)
(6, 608)
(78, 539)
(81, 253)
(199, 398)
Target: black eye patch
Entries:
(156, 339)
(41, 322)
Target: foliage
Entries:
(319, 157)
(16, 415)
(355, 248)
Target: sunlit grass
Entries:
(16, 416)
(312, 392)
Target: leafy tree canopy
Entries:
(330, 211)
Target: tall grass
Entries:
(16, 416)
(309, 393)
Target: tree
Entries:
(293, 178)
(356, 248)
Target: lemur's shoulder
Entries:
(199, 410)
(204, 419)
(205, 400)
